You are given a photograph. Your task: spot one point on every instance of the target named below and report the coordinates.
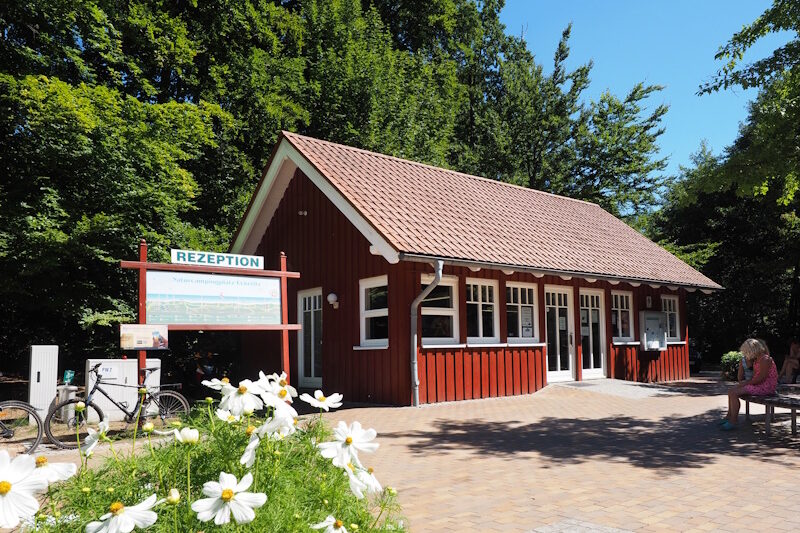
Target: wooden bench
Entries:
(770, 403)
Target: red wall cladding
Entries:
(329, 252)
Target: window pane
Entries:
(441, 296)
(488, 320)
(552, 344)
(527, 321)
(472, 320)
(673, 325)
(318, 343)
(563, 340)
(625, 325)
(586, 346)
(376, 298)
(437, 326)
(614, 324)
(596, 339)
(509, 291)
(307, 342)
(377, 327)
(512, 312)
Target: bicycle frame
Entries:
(128, 414)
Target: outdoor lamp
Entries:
(333, 300)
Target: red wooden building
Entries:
(499, 289)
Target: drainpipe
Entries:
(414, 330)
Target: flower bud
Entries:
(142, 390)
(175, 423)
(209, 400)
(248, 411)
(189, 436)
(80, 407)
(390, 491)
(174, 496)
(148, 427)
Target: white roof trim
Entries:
(287, 158)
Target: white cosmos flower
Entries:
(331, 525)
(357, 487)
(215, 383)
(19, 482)
(228, 497)
(123, 519)
(368, 478)
(93, 438)
(54, 472)
(226, 416)
(249, 456)
(243, 398)
(187, 435)
(280, 386)
(321, 401)
(349, 441)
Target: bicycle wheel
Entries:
(21, 424)
(64, 425)
(166, 407)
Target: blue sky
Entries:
(670, 43)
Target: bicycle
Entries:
(64, 424)
(15, 421)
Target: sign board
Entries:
(193, 257)
(143, 337)
(69, 375)
(214, 299)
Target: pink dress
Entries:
(766, 387)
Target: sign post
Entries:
(214, 292)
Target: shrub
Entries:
(730, 365)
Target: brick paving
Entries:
(608, 456)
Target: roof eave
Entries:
(541, 272)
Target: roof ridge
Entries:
(290, 134)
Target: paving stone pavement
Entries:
(603, 457)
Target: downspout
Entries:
(437, 266)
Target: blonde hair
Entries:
(752, 349)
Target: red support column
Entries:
(142, 304)
(285, 320)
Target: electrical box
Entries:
(653, 330)
(43, 377)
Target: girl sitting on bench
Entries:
(763, 383)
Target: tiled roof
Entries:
(429, 211)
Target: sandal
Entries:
(722, 421)
(727, 426)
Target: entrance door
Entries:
(592, 334)
(560, 333)
(309, 345)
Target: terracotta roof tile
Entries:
(424, 210)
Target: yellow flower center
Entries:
(282, 393)
(295, 421)
(250, 430)
(5, 487)
(282, 383)
(348, 441)
(231, 418)
(227, 495)
(351, 467)
(338, 524)
(370, 470)
(116, 508)
(242, 389)
(322, 398)
(41, 461)
(225, 380)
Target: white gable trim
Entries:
(258, 217)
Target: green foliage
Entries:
(782, 16)
(302, 487)
(730, 365)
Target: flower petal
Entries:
(223, 515)
(212, 489)
(20, 468)
(241, 513)
(96, 527)
(227, 481)
(251, 499)
(245, 483)
(143, 518)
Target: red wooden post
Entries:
(284, 320)
(142, 304)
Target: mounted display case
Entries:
(653, 330)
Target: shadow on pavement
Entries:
(670, 443)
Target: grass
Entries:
(302, 487)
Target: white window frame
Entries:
(369, 283)
(535, 304)
(480, 339)
(450, 281)
(619, 312)
(667, 297)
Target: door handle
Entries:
(570, 339)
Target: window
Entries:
(374, 303)
(482, 317)
(440, 312)
(621, 316)
(523, 319)
(669, 304)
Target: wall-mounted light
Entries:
(333, 300)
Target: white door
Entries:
(593, 354)
(309, 344)
(560, 333)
